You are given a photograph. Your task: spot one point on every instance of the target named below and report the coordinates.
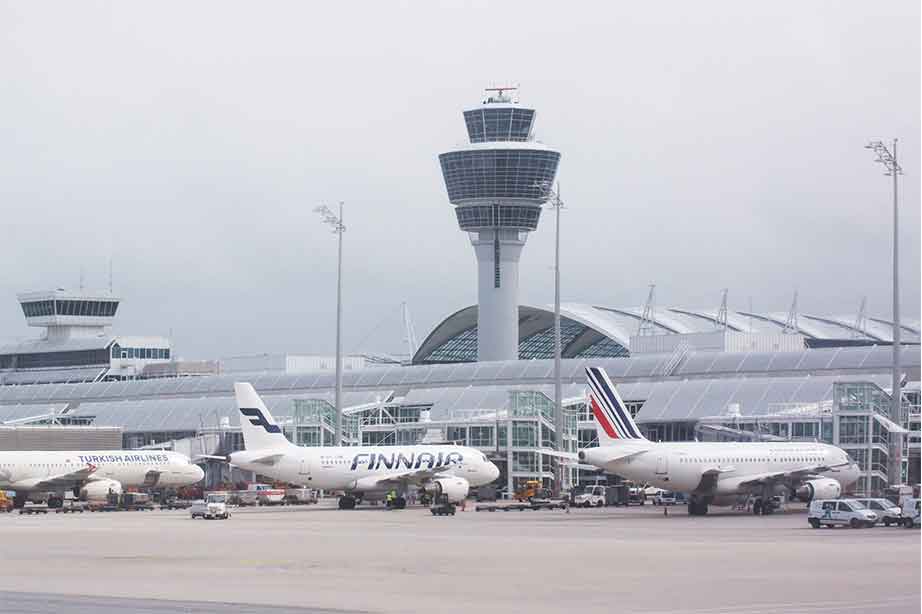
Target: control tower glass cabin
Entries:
(498, 183)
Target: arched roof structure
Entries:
(605, 332)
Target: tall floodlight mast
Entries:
(559, 427)
(889, 159)
(495, 183)
(336, 223)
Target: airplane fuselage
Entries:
(355, 468)
(19, 470)
(679, 466)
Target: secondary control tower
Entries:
(498, 183)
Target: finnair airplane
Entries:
(92, 474)
(361, 472)
(712, 473)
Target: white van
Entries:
(911, 512)
(593, 496)
(887, 512)
(845, 512)
(213, 506)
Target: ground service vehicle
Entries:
(594, 496)
(213, 506)
(442, 507)
(887, 512)
(845, 512)
(529, 490)
(664, 497)
(911, 512)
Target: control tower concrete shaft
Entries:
(498, 183)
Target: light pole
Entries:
(557, 203)
(888, 158)
(336, 222)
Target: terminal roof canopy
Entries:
(605, 332)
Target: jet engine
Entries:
(455, 488)
(98, 490)
(822, 488)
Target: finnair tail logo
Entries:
(258, 419)
(607, 407)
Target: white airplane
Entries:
(93, 474)
(719, 473)
(361, 472)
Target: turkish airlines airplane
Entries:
(361, 472)
(712, 473)
(91, 474)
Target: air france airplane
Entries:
(91, 474)
(712, 473)
(361, 472)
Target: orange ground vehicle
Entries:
(6, 504)
(529, 490)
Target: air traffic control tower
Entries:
(498, 183)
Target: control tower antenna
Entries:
(110, 274)
(497, 185)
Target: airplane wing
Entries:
(414, 477)
(62, 480)
(794, 475)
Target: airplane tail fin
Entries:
(260, 431)
(614, 423)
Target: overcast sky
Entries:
(705, 145)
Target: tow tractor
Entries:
(539, 499)
(442, 506)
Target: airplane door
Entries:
(304, 471)
(662, 464)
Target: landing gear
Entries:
(697, 506)
(397, 503)
(763, 507)
(346, 502)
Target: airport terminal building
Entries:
(684, 373)
(820, 382)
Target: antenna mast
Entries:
(412, 345)
(861, 320)
(790, 326)
(647, 325)
(722, 313)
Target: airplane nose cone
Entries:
(198, 474)
(493, 472)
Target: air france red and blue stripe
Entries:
(608, 408)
